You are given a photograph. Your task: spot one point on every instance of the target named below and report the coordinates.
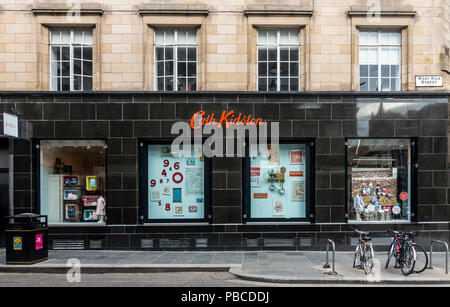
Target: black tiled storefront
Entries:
(124, 118)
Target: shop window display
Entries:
(72, 181)
(278, 182)
(379, 177)
(176, 185)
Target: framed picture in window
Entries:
(296, 157)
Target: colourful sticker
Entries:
(260, 195)
(403, 196)
(17, 242)
(39, 241)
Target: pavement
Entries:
(289, 267)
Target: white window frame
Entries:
(278, 45)
(71, 45)
(379, 64)
(175, 46)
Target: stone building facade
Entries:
(330, 107)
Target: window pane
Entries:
(87, 68)
(272, 68)
(373, 38)
(77, 83)
(384, 70)
(372, 56)
(394, 55)
(77, 67)
(293, 69)
(284, 69)
(373, 84)
(181, 54)
(87, 38)
(77, 52)
(54, 69)
(262, 54)
(363, 37)
(192, 36)
(378, 171)
(160, 68)
(395, 71)
(192, 54)
(272, 86)
(271, 37)
(384, 36)
(65, 36)
(159, 37)
(279, 200)
(87, 84)
(87, 53)
(272, 54)
(385, 57)
(65, 53)
(262, 37)
(262, 84)
(385, 86)
(395, 84)
(168, 68)
(65, 84)
(284, 37)
(77, 36)
(54, 84)
(65, 168)
(262, 69)
(284, 54)
(363, 70)
(55, 36)
(395, 38)
(192, 69)
(181, 37)
(373, 71)
(294, 37)
(363, 55)
(182, 84)
(55, 53)
(179, 200)
(159, 53)
(160, 84)
(169, 83)
(168, 37)
(294, 84)
(293, 54)
(192, 84)
(181, 66)
(168, 52)
(65, 68)
(363, 84)
(284, 84)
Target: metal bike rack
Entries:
(327, 265)
(446, 254)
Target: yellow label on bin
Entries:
(17, 243)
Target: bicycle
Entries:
(403, 251)
(364, 251)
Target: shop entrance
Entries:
(4, 187)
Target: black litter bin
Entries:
(26, 239)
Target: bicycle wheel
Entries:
(357, 254)
(368, 259)
(408, 260)
(390, 254)
(421, 259)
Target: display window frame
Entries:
(36, 148)
(309, 182)
(144, 188)
(413, 183)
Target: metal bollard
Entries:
(446, 254)
(327, 265)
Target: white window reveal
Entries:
(379, 60)
(278, 60)
(176, 59)
(71, 66)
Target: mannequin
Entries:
(101, 203)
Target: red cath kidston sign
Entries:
(404, 196)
